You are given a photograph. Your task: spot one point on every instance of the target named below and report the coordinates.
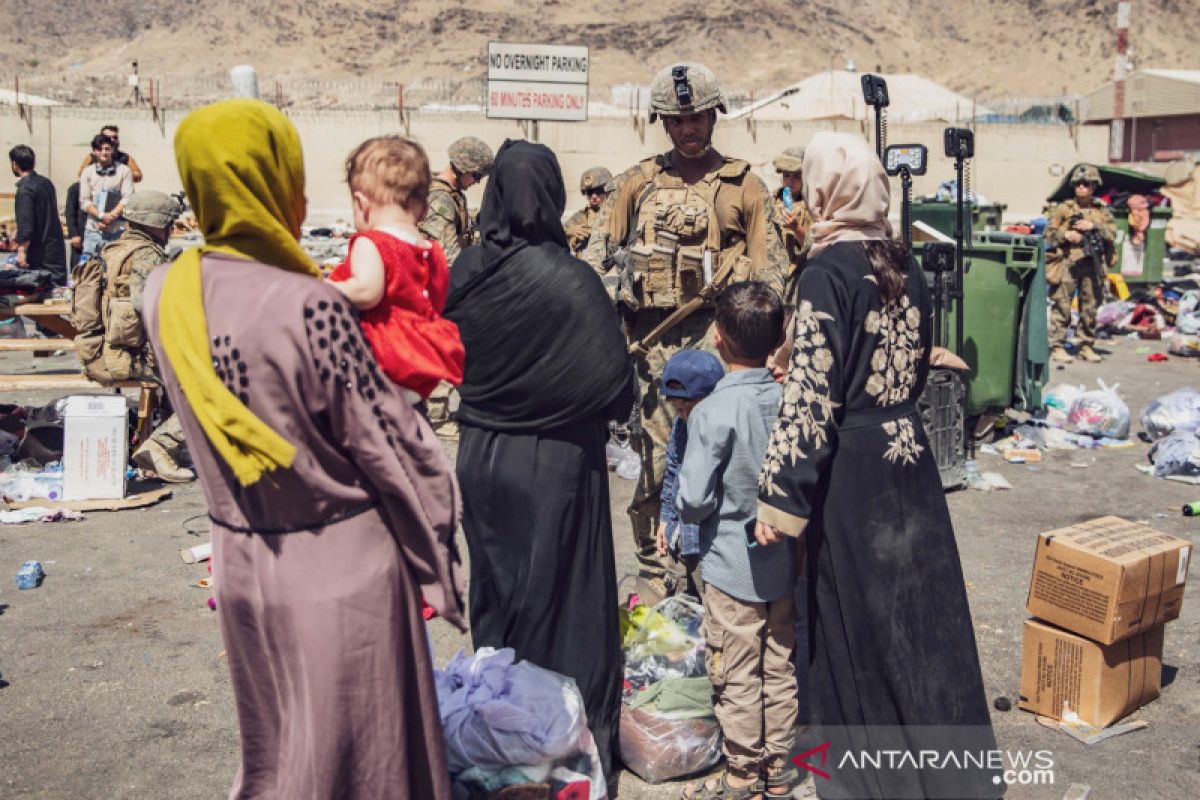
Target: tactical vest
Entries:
(111, 342)
(676, 247)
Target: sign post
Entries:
(533, 82)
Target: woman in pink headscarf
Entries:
(892, 658)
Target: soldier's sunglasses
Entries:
(785, 174)
(597, 190)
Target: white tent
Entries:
(838, 95)
(10, 98)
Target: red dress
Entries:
(414, 345)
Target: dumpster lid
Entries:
(1122, 179)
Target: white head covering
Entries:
(846, 190)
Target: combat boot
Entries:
(1088, 354)
(1060, 354)
(154, 459)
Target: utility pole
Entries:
(1116, 138)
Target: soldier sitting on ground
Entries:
(580, 224)
(1079, 242)
(107, 313)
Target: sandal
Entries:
(786, 778)
(722, 790)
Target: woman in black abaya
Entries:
(546, 369)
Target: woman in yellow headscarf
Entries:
(333, 507)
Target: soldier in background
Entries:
(682, 225)
(597, 252)
(1079, 242)
(579, 226)
(107, 312)
(791, 224)
(447, 221)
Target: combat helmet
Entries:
(1086, 172)
(151, 208)
(470, 154)
(790, 160)
(594, 178)
(684, 88)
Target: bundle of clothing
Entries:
(510, 723)
(668, 728)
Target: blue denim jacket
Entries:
(685, 538)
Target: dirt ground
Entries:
(113, 685)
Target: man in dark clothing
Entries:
(76, 223)
(39, 233)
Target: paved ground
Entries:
(113, 684)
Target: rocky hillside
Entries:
(1017, 47)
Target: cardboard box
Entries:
(1062, 671)
(1108, 578)
(95, 447)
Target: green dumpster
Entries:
(1142, 265)
(939, 215)
(1004, 322)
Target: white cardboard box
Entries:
(95, 447)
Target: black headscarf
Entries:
(544, 343)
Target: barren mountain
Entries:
(1020, 47)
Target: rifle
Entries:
(1095, 248)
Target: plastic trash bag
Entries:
(622, 458)
(1100, 412)
(1058, 399)
(1178, 411)
(657, 748)
(1183, 344)
(664, 642)
(1111, 315)
(1177, 454)
(1188, 323)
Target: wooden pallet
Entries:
(35, 345)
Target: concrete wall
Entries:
(1016, 164)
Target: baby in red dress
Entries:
(396, 278)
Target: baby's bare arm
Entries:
(364, 288)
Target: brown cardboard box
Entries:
(1108, 578)
(1100, 683)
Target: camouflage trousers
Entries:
(1081, 276)
(656, 418)
(169, 436)
(440, 407)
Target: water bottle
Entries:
(787, 198)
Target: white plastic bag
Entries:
(1177, 454)
(1183, 344)
(1058, 400)
(1176, 412)
(1100, 412)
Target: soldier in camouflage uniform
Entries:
(791, 226)
(1069, 267)
(598, 251)
(448, 221)
(123, 351)
(579, 226)
(698, 207)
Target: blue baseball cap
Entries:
(691, 374)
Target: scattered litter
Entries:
(988, 450)
(1147, 469)
(1156, 358)
(30, 575)
(1021, 455)
(622, 459)
(1034, 469)
(38, 514)
(1078, 791)
(1191, 509)
(1058, 399)
(1087, 733)
(1141, 351)
(204, 583)
(193, 555)
(129, 501)
(1078, 465)
(1184, 344)
(212, 603)
(1002, 704)
(988, 481)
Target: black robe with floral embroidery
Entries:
(893, 662)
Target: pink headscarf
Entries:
(846, 190)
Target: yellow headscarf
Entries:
(243, 170)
